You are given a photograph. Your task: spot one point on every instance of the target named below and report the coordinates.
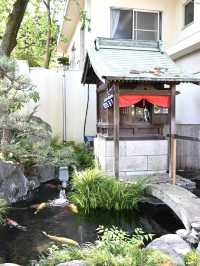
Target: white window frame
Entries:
(135, 29)
(159, 31)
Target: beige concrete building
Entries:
(175, 22)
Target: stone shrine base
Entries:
(137, 157)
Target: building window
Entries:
(137, 25)
(121, 24)
(189, 12)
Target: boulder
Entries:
(43, 173)
(173, 245)
(46, 173)
(33, 182)
(73, 263)
(13, 184)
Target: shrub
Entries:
(25, 138)
(94, 190)
(113, 248)
(57, 255)
(192, 259)
(80, 156)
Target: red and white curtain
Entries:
(160, 100)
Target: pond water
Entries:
(22, 247)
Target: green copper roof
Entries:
(128, 60)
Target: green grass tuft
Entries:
(92, 189)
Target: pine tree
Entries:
(23, 137)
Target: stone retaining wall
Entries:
(137, 157)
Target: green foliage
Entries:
(113, 248)
(5, 9)
(32, 36)
(76, 153)
(192, 259)
(34, 147)
(94, 190)
(3, 210)
(86, 21)
(57, 255)
(30, 141)
(15, 90)
(33, 33)
(24, 137)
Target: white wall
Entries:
(188, 102)
(76, 107)
(187, 38)
(49, 84)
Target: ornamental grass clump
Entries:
(92, 189)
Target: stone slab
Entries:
(184, 203)
(109, 150)
(131, 164)
(136, 157)
(147, 147)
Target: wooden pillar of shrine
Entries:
(172, 157)
(116, 130)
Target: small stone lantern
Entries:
(64, 175)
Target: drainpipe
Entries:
(86, 112)
(64, 105)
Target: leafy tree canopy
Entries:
(33, 33)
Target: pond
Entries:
(24, 247)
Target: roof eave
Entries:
(147, 79)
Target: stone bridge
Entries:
(185, 205)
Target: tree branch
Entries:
(9, 40)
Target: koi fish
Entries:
(40, 207)
(62, 240)
(12, 223)
(73, 208)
